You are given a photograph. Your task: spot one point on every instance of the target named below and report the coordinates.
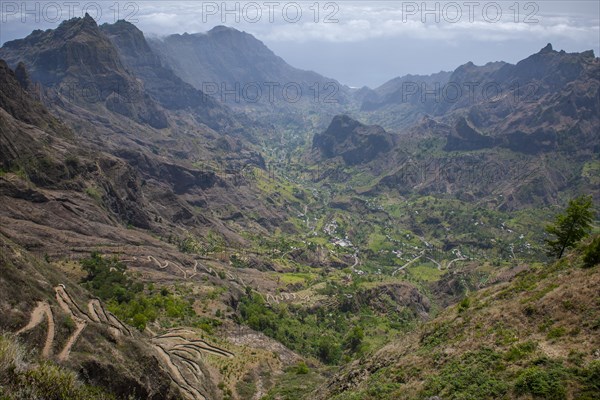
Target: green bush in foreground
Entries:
(20, 380)
(541, 383)
(591, 254)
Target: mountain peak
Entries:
(221, 29)
(547, 49)
(355, 142)
(75, 26)
(88, 19)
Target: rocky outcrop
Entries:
(81, 64)
(161, 82)
(354, 142)
(464, 137)
(393, 298)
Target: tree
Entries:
(571, 226)
(329, 350)
(354, 339)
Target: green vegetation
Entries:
(22, 379)
(317, 334)
(136, 304)
(190, 245)
(345, 329)
(473, 376)
(297, 383)
(571, 226)
(106, 278)
(591, 253)
(540, 382)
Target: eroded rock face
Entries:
(401, 295)
(78, 61)
(15, 97)
(160, 82)
(228, 57)
(355, 142)
(464, 137)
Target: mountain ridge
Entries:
(269, 244)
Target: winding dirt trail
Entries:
(439, 266)
(96, 311)
(182, 353)
(461, 258)
(80, 326)
(37, 316)
(408, 263)
(284, 296)
(68, 305)
(176, 375)
(176, 340)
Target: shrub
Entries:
(591, 254)
(541, 383)
(464, 305)
(520, 351)
(556, 333)
(46, 380)
(473, 376)
(329, 351)
(354, 339)
(591, 381)
(301, 368)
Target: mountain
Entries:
(53, 58)
(157, 243)
(241, 71)
(403, 89)
(76, 178)
(44, 172)
(492, 93)
(163, 84)
(227, 56)
(522, 135)
(354, 142)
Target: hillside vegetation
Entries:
(536, 336)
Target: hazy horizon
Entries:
(358, 43)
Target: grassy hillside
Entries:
(536, 336)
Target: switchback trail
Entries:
(37, 315)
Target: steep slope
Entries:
(162, 83)
(178, 163)
(42, 173)
(510, 136)
(354, 142)
(69, 335)
(542, 93)
(53, 58)
(62, 199)
(241, 71)
(533, 337)
(226, 56)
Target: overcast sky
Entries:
(357, 42)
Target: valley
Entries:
(162, 241)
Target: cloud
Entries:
(341, 21)
(391, 37)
